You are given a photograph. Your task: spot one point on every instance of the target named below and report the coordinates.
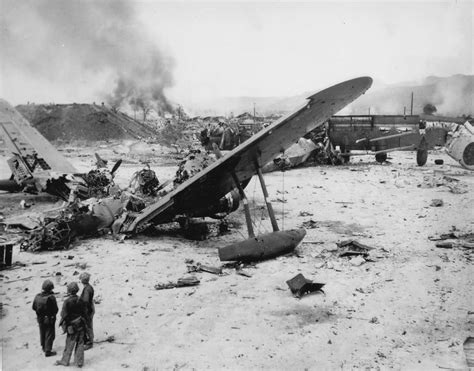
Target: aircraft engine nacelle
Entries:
(10, 185)
(461, 146)
(226, 205)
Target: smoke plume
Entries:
(453, 95)
(89, 41)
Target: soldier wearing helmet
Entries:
(46, 309)
(87, 297)
(72, 322)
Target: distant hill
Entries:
(86, 122)
(452, 96)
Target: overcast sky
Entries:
(242, 48)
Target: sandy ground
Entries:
(411, 308)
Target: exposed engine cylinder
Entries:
(227, 204)
(461, 146)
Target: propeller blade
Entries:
(116, 166)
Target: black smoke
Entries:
(74, 39)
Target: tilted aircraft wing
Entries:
(212, 183)
(22, 139)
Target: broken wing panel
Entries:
(209, 185)
(20, 136)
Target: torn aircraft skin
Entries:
(460, 145)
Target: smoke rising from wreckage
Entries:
(101, 40)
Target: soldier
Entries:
(72, 322)
(46, 309)
(87, 297)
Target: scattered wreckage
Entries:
(208, 190)
(335, 142)
(78, 219)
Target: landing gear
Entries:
(381, 157)
(264, 246)
(421, 157)
(344, 155)
(194, 229)
(346, 158)
(422, 153)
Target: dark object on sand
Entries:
(352, 247)
(436, 202)
(300, 286)
(182, 282)
(6, 252)
(445, 245)
(439, 161)
(198, 267)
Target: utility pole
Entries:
(411, 110)
(254, 121)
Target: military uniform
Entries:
(72, 322)
(87, 297)
(46, 309)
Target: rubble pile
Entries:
(88, 122)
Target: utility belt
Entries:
(75, 325)
(47, 320)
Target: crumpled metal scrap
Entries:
(98, 181)
(78, 219)
(195, 161)
(52, 234)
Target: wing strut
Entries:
(248, 218)
(267, 200)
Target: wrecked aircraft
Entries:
(296, 155)
(460, 145)
(237, 167)
(381, 134)
(206, 190)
